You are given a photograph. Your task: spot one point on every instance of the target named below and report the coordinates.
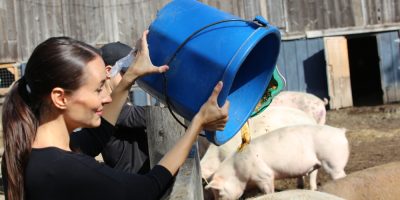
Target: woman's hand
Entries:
(211, 116)
(142, 65)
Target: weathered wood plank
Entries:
(358, 12)
(281, 62)
(276, 13)
(8, 33)
(396, 60)
(301, 55)
(388, 50)
(338, 72)
(162, 132)
(291, 65)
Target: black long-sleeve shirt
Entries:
(127, 150)
(52, 173)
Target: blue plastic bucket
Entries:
(241, 54)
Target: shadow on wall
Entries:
(315, 75)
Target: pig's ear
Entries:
(214, 184)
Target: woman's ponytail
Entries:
(19, 129)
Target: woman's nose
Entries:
(106, 97)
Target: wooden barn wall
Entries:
(382, 11)
(298, 16)
(302, 63)
(25, 23)
(306, 15)
(29, 22)
(388, 48)
(8, 36)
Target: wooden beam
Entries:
(352, 30)
(188, 184)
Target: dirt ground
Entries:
(374, 136)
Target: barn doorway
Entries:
(364, 70)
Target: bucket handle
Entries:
(258, 20)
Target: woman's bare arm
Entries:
(141, 67)
(211, 117)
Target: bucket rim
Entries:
(228, 77)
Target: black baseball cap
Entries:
(114, 51)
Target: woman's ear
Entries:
(58, 98)
(108, 70)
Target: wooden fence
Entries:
(163, 132)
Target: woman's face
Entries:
(85, 105)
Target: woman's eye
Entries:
(99, 90)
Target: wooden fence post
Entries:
(162, 133)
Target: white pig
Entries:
(271, 118)
(378, 182)
(288, 152)
(306, 102)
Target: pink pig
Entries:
(306, 102)
(287, 152)
(272, 118)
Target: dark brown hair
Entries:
(57, 62)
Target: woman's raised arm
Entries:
(142, 66)
(210, 117)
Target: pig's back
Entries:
(275, 117)
(292, 140)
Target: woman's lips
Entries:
(99, 112)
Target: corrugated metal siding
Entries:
(388, 47)
(302, 63)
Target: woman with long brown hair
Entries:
(62, 90)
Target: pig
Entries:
(309, 103)
(288, 152)
(379, 182)
(297, 194)
(271, 118)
